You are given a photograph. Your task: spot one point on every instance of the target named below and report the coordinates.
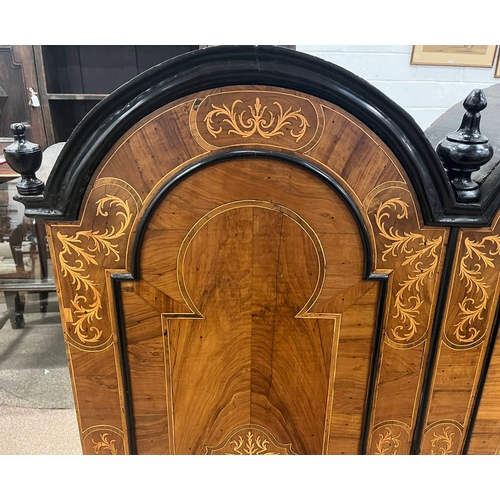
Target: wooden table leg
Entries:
(14, 303)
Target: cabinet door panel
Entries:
(254, 261)
(255, 350)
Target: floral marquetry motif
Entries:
(261, 121)
(387, 443)
(442, 438)
(421, 258)
(82, 254)
(415, 255)
(477, 271)
(79, 251)
(389, 439)
(251, 440)
(411, 255)
(255, 118)
(103, 440)
(104, 445)
(462, 351)
(442, 443)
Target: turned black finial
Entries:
(25, 158)
(466, 150)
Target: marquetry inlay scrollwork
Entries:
(103, 440)
(420, 257)
(442, 443)
(250, 445)
(247, 117)
(387, 442)
(476, 259)
(104, 446)
(260, 120)
(444, 437)
(250, 440)
(75, 257)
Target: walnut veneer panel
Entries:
(470, 316)
(83, 254)
(257, 343)
(250, 328)
(485, 439)
(416, 259)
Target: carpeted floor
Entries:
(37, 413)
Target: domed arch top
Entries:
(223, 66)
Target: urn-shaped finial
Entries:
(466, 150)
(25, 158)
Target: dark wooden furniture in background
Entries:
(30, 273)
(68, 82)
(74, 78)
(17, 75)
(6, 175)
(259, 253)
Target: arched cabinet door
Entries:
(245, 260)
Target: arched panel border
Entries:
(303, 164)
(216, 158)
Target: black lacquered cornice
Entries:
(252, 65)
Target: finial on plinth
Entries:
(466, 150)
(25, 158)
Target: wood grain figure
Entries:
(250, 269)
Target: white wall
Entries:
(425, 92)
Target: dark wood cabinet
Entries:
(256, 252)
(68, 81)
(17, 76)
(74, 78)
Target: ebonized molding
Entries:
(122, 346)
(482, 379)
(374, 366)
(367, 271)
(249, 153)
(439, 316)
(253, 65)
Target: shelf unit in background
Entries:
(72, 79)
(17, 74)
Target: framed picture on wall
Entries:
(479, 56)
(497, 70)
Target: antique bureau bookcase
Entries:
(259, 253)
